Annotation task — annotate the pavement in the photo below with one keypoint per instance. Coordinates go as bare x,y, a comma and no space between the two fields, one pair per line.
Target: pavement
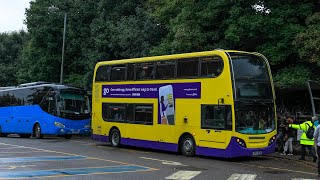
295,157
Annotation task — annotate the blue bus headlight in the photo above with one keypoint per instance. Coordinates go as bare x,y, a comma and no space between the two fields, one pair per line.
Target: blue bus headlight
58,124
272,140
241,142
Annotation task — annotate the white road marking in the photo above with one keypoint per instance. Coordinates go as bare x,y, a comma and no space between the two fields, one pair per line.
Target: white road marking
301,179
166,162
14,148
242,177
14,167
25,152
184,175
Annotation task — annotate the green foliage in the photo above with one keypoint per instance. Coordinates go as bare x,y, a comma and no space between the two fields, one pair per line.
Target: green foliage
292,76
308,42
10,52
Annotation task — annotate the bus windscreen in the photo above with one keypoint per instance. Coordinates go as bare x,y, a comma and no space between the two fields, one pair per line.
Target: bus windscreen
73,104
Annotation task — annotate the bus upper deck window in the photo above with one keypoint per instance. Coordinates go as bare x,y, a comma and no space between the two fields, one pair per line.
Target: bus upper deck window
102,73
118,73
145,71
165,69
130,72
211,66
188,68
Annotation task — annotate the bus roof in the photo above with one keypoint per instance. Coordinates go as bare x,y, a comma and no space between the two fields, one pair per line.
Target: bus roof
39,84
168,57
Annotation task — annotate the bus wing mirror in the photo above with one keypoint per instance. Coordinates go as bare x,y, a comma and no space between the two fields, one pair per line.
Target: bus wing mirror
220,102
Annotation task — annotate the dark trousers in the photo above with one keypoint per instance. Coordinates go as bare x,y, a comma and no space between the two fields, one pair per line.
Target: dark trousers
303,151
318,151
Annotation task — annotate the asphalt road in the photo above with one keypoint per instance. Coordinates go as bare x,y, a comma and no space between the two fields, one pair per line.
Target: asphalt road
83,158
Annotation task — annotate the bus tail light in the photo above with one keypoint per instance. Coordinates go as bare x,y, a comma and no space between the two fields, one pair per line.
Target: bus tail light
272,140
58,124
241,142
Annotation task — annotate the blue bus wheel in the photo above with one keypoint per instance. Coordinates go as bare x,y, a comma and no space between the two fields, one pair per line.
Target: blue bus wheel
68,136
2,134
25,135
115,138
37,131
188,146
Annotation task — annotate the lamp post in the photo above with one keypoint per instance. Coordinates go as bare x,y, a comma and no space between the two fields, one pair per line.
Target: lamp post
53,8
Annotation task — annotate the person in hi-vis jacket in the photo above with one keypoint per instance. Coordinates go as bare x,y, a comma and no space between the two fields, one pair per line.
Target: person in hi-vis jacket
304,141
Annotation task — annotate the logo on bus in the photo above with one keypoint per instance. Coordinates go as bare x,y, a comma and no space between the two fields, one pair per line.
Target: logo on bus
105,91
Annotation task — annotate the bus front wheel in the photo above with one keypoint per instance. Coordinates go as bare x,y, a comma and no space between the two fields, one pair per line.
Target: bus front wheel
68,136
2,134
37,131
25,135
188,146
115,138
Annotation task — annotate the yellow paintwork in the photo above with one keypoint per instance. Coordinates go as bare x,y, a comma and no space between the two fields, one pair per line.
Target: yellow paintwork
211,90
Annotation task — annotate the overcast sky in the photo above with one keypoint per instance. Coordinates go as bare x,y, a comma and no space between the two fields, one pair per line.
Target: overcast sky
12,15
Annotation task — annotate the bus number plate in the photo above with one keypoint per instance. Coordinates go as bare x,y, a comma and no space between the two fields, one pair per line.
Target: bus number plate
256,153
75,131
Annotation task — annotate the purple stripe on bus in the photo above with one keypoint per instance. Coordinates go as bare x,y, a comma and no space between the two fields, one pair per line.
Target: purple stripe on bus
150,144
180,90
233,149
100,138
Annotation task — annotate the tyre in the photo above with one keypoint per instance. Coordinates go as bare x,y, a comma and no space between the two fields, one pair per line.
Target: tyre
37,131
68,136
115,138
25,135
188,146
2,134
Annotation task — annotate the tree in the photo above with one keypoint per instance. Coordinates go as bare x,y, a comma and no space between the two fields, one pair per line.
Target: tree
10,51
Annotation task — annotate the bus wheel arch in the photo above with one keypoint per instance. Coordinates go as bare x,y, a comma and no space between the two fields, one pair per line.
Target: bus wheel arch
115,137
37,131
2,134
187,145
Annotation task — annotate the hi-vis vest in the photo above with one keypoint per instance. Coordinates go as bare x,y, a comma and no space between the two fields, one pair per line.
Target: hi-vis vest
304,127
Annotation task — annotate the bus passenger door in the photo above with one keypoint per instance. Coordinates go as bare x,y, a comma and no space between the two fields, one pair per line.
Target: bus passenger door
216,122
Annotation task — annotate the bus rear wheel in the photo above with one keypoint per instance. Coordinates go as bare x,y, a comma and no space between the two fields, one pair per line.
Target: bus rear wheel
188,146
37,131
115,138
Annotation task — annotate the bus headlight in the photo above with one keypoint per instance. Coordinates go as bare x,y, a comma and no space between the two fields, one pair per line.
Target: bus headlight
87,126
272,140
58,124
241,142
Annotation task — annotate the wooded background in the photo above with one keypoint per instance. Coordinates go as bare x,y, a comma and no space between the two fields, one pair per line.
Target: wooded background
286,32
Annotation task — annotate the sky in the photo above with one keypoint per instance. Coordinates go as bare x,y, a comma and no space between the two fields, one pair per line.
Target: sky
12,15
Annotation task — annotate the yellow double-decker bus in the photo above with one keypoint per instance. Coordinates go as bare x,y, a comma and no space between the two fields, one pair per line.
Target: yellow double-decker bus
216,103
